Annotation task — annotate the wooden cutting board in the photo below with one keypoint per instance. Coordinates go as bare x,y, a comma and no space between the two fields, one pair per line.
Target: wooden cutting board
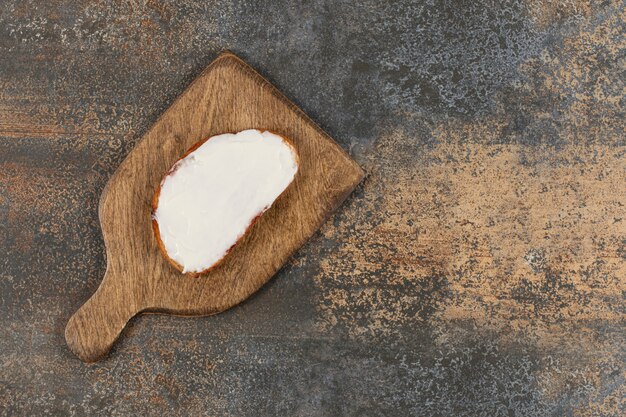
228,96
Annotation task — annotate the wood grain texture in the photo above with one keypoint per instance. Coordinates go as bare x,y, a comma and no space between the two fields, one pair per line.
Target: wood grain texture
228,96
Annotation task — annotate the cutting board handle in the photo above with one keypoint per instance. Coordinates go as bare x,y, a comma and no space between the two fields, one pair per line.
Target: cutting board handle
93,329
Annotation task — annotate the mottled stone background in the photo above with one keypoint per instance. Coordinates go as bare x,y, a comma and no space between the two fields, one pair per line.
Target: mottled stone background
479,270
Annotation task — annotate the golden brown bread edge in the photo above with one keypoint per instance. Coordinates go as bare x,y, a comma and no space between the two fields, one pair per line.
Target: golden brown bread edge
155,203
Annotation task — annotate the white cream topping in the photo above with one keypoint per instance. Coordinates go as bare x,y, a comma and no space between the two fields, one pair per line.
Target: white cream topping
213,194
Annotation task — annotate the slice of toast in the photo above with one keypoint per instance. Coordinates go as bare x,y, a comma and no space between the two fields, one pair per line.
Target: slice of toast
210,198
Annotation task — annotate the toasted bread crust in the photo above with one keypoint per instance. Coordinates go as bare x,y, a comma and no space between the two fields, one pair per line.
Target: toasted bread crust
155,203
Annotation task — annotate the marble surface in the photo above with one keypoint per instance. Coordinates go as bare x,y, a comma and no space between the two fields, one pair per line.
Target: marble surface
479,270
